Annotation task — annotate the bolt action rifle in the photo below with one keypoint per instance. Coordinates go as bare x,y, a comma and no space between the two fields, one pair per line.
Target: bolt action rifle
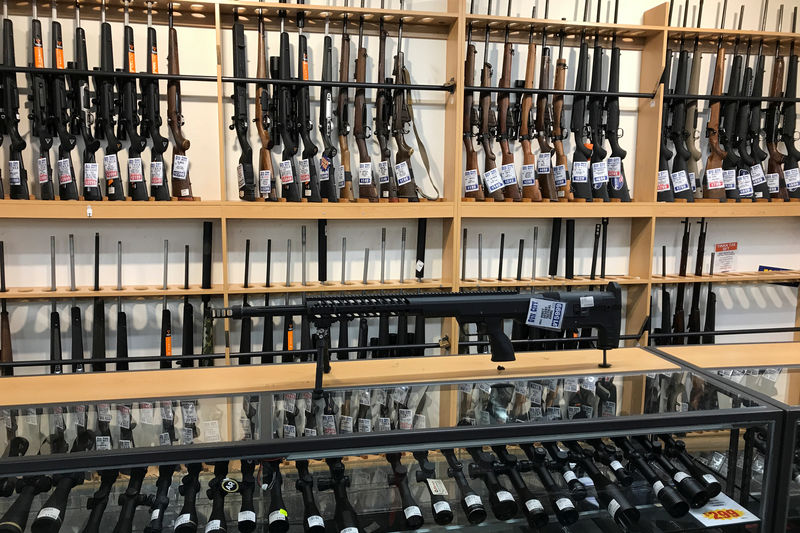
581,187
107,109
544,118
680,179
492,181
789,112
472,183
678,320
694,310
505,116
775,178
560,172
9,116
366,182
40,109
308,164
59,118
690,125
727,130
713,182
181,183
598,169
342,99
616,167
286,125
760,185
151,117
387,186
240,119
531,186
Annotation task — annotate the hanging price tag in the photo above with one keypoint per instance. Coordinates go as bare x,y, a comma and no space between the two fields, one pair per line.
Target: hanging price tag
110,167
286,172
187,436
346,424
211,431
508,174
528,175
124,416
146,413
402,173
492,180
774,183
471,180
339,175
614,167
580,171
757,175
792,178
180,167
546,314
663,181
406,418
44,172
13,173
64,171
680,182
729,178
264,182
156,173
714,178
365,173
164,440
103,412
560,176
384,424
328,425
383,172
543,163
135,170
310,432
693,181
304,169
419,421
102,442
745,183
599,174
240,175
189,413
364,425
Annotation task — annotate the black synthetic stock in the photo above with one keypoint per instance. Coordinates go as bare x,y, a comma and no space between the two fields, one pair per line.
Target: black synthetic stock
664,154
619,189
596,130
10,114
55,343
286,121
582,153
76,328
98,314
207,346
59,115
311,189
39,113
555,245
789,112
241,121
328,188
677,134
151,121
678,321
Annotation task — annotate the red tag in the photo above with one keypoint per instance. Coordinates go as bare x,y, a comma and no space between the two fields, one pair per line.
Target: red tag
726,246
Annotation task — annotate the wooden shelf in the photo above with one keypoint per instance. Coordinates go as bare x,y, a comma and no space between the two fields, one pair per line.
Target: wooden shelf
628,209
340,211
731,277
141,291
42,209
579,281
712,35
738,355
351,286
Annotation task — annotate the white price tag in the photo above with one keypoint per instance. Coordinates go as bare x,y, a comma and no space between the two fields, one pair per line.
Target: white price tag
411,511
304,169
124,416
146,413
680,182
508,174
189,412
663,181
328,425
289,431
383,172
102,442
791,176
135,170
714,178
406,418
164,439
80,416
44,172
534,506
744,183
166,411
441,507
187,435
246,516
286,172
729,178
613,507
384,424
471,183
211,431
419,421
182,519
599,174
309,432
580,171
680,476
49,512
543,162
314,521
103,412
774,183
14,173
340,177
180,167
564,503
722,511
757,175
528,175
125,444
156,173
264,182
505,496
365,173
64,171
277,516
546,314
571,385
693,181
614,166
569,475
492,180
437,487
402,173
346,424
364,425
658,486
213,525
535,393
240,175
560,175
472,499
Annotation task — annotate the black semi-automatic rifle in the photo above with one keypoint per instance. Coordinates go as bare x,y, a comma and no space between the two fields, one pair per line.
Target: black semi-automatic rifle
327,165
789,112
40,109
690,124
679,319
59,113
240,118
664,185
151,117
9,117
345,181
758,156
387,187
285,119
599,169
107,109
186,522
681,188
618,183
694,310
581,187
727,128
309,180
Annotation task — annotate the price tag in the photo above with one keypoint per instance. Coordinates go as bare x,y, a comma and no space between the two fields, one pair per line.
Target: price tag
472,499
608,409
110,167
534,506
365,173
722,511
164,439
363,397
13,173
124,416
286,172
49,512
663,181
680,182
346,424
304,169
792,178
328,425
543,162
599,174
492,180
310,432
383,172
364,425
80,416
419,422
399,394
485,388
64,171
315,521
588,383
437,487
508,174
44,172
441,507
379,396
693,182
729,178
289,431
156,173
411,511
772,374
745,183
384,424
189,412
402,173
546,314
564,503
166,411
535,393
103,412
571,385
553,413
505,496
406,418
31,418
774,183
535,413
135,170
339,175
290,399
528,175
264,182
560,176
580,171
614,167
471,183
187,435
240,175
613,507
757,175
180,167
102,442
58,418
211,431
714,178
124,443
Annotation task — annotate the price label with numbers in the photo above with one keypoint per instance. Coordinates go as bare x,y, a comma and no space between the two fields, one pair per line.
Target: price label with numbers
365,173
304,169
135,170
64,171
403,173
264,182
180,167
287,176
599,174
729,179
543,162
471,183
383,172
745,183
508,174
492,180
560,175
714,178
680,182
528,175
774,183
663,181
14,173
156,173
580,171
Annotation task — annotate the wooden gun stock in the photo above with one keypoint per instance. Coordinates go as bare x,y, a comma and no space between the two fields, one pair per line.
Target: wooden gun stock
717,154
776,157
564,191
546,181
503,99
529,190
469,145
365,191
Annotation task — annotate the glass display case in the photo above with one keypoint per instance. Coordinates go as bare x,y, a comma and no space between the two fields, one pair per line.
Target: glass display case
540,443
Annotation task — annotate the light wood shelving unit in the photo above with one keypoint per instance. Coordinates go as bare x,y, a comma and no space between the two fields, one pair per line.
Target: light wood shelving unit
651,38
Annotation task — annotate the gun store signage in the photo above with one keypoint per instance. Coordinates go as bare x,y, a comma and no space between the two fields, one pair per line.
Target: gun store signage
723,511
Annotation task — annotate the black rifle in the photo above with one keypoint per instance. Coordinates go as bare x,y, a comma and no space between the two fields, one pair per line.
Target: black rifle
151,118
694,310
122,318
187,337
387,187
59,117
711,308
9,119
666,302
16,517
129,116
285,121
82,113
99,500
327,181
40,110
689,487
581,186
562,504
664,184
245,338
160,501
616,167
401,122
560,458
609,455
344,514
728,125
512,467
745,160
680,163
504,507
272,481
107,109
166,318
599,179
399,478
247,512
666,494
470,501
240,118
310,179
676,448
312,520
758,156
268,340
442,514
55,319
186,522
219,487
789,112
130,500
679,320
208,322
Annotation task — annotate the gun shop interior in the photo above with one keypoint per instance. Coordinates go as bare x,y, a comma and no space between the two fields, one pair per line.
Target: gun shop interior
396,329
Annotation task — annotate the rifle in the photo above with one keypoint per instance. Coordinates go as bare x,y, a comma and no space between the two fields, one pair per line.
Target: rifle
98,314
366,184
727,131
760,185
504,507
616,168
240,119
131,499
247,512
387,187
599,169
286,125
6,354
472,184
58,115
262,119
775,178
544,119
272,480
560,172
711,307
745,160
97,503
186,522
470,501
789,112
55,319
492,181
345,178
107,108
181,183
666,303
691,489
308,164
245,340
166,317
344,514
399,478
268,341
676,449
327,183
581,187
122,318
532,189
82,112
312,521
442,514
208,322
694,310
129,115
16,517
713,181
160,501
219,487
512,467
40,111
664,185
560,501
678,325
690,124
151,116
680,180
505,121
187,336
76,327
9,116
561,462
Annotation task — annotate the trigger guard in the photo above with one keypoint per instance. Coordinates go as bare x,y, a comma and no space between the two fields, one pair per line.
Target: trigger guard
696,135
796,135
406,128
620,133
367,132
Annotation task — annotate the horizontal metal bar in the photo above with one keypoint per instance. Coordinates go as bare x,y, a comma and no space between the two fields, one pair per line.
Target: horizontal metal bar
728,98
751,331
567,92
448,87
